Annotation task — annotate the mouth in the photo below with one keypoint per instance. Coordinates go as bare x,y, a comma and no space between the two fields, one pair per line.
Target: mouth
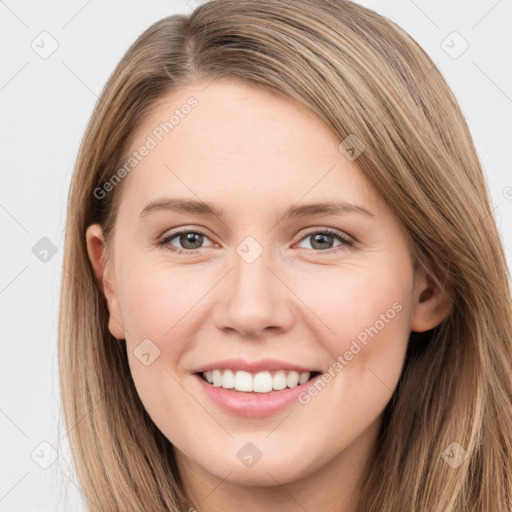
255,383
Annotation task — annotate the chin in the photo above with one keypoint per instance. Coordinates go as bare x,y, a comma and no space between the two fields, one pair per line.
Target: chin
262,473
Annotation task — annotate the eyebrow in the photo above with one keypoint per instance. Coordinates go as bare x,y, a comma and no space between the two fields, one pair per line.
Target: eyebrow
203,208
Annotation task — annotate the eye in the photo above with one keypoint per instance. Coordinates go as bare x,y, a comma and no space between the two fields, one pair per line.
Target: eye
191,241
326,237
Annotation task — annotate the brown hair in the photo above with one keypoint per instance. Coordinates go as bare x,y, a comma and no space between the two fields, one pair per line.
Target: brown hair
363,76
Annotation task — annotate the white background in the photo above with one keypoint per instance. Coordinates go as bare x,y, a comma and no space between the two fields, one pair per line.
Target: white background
45,106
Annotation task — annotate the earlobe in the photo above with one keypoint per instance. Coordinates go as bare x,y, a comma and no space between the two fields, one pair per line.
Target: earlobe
96,252
431,304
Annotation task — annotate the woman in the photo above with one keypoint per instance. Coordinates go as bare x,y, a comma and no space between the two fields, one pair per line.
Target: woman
253,371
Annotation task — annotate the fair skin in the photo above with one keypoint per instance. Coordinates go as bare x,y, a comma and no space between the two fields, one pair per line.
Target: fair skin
254,154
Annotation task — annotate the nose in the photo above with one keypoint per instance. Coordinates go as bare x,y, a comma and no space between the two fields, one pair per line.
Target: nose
254,299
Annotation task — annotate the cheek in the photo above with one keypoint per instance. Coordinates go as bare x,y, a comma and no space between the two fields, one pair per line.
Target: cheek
370,318
364,327
157,306
156,301
357,304
155,312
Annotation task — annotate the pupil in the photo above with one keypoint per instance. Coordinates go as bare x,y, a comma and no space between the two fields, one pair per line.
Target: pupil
189,238
322,238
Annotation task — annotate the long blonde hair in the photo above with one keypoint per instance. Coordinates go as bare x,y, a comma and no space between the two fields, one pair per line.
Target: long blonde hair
363,76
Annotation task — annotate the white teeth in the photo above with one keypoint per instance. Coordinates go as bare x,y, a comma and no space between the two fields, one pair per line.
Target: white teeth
228,379
279,381
304,377
293,379
217,378
261,382
243,381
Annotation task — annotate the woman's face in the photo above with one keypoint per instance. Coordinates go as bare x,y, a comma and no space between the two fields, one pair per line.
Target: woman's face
259,288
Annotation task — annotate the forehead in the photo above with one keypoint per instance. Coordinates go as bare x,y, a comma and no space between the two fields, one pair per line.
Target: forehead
236,141
235,117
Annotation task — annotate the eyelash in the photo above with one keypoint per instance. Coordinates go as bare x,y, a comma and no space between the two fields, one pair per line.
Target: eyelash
345,241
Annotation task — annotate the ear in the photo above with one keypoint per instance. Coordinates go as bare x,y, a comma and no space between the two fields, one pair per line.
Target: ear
431,304
104,275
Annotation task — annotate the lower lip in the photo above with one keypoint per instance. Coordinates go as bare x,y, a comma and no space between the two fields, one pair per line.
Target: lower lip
253,405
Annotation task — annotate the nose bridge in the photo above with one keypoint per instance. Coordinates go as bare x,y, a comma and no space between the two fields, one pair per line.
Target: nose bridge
252,281
254,297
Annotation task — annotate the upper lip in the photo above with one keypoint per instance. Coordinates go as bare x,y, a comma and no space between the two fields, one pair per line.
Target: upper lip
253,366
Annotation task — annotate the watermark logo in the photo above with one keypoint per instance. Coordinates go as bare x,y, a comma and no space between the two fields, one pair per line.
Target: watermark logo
45,45
44,455
146,352
454,45
351,147
249,249
454,455
44,250
249,455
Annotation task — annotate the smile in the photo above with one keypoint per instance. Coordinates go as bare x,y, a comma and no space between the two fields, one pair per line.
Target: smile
260,382
254,404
